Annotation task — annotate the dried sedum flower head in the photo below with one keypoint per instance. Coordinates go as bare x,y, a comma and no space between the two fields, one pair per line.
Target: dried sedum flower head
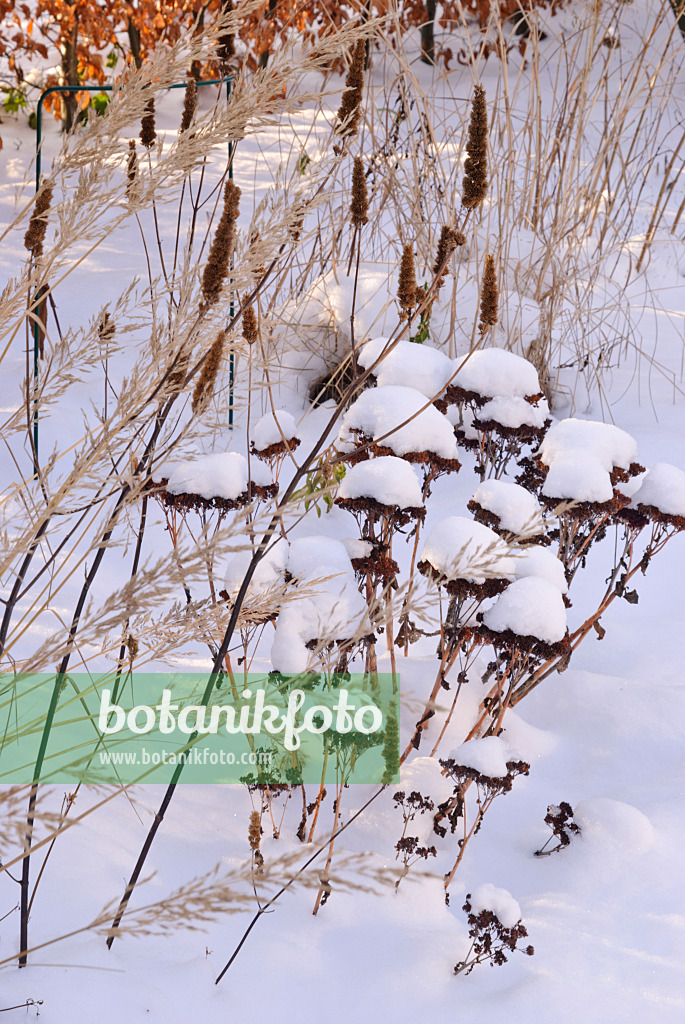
189,105
489,296
204,389
349,114
476,163
359,208
406,291
147,125
35,234
221,248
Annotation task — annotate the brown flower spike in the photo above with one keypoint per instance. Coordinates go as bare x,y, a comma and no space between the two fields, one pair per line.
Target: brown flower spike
221,248
359,208
448,242
147,125
250,326
349,114
476,163
489,297
204,389
226,46
132,168
406,291
35,235
189,105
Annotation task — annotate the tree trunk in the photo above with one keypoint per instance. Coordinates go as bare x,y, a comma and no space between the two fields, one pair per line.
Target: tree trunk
134,42
427,34
70,73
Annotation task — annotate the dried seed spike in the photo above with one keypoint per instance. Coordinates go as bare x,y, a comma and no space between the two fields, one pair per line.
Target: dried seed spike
189,105
221,249
132,169
476,163
254,832
447,243
38,225
489,296
226,45
359,208
250,333
147,125
106,328
204,389
349,114
406,291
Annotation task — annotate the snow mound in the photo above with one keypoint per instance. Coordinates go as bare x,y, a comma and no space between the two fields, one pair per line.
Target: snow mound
488,756
611,823
496,373
221,475
428,369
387,479
664,488
273,428
543,563
529,607
268,573
380,411
581,454
499,901
517,508
514,412
458,548
316,556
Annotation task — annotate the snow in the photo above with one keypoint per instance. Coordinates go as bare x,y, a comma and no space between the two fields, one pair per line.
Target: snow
380,411
499,901
268,573
425,368
517,508
272,428
581,454
488,756
664,488
515,412
534,560
496,373
315,556
458,548
614,828
529,607
221,475
387,479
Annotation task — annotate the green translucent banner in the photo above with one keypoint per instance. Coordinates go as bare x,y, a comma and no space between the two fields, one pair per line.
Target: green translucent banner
145,727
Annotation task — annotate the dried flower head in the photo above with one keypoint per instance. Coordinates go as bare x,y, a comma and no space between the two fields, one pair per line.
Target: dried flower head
359,208
106,328
254,832
204,389
147,125
226,43
189,105
406,291
35,234
447,243
349,114
476,163
488,296
221,248
250,326
132,168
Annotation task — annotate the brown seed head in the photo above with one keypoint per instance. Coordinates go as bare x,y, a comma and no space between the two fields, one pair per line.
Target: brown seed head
189,105
488,298
132,169
204,389
35,234
406,291
359,208
447,243
349,114
106,328
476,163
254,832
221,249
250,333
147,125
226,45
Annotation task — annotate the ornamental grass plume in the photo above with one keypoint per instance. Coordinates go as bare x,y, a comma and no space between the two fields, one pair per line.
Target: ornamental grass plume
147,125
35,234
221,248
349,114
406,291
476,163
189,105
359,208
204,389
489,296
